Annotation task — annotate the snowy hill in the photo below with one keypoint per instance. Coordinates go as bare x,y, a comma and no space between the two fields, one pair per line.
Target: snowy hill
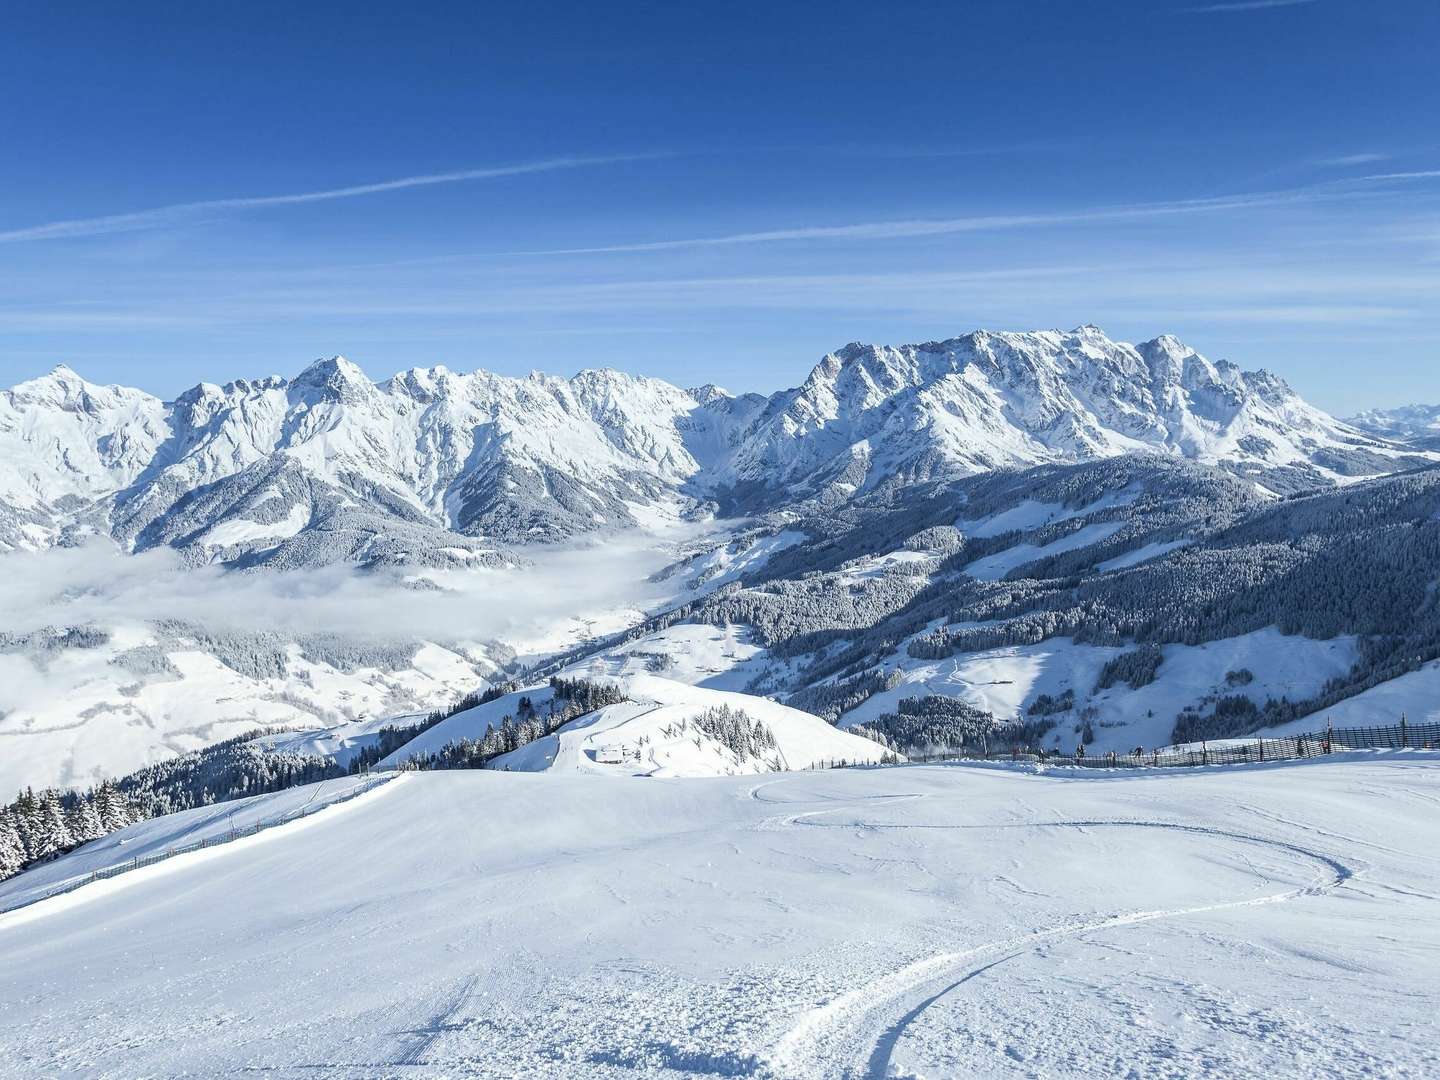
664,728
1276,921
438,466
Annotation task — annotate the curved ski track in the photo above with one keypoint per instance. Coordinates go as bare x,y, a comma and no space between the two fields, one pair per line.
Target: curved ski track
854,1035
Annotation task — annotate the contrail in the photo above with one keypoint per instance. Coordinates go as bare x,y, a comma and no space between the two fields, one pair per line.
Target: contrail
161,216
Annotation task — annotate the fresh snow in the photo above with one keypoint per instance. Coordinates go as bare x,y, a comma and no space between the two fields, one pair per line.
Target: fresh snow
1279,921
1142,555
654,734
1414,696
996,566
241,530
698,654
340,743
1029,515
1006,681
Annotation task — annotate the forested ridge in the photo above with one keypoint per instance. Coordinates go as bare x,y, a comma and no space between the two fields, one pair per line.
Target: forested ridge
1361,561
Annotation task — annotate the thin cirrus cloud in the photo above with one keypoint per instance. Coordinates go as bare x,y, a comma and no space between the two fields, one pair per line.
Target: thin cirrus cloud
1421,174
176,213
1354,159
904,229
1245,5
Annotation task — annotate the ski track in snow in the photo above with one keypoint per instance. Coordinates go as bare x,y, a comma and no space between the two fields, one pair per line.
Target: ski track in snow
854,1035
448,1017
860,924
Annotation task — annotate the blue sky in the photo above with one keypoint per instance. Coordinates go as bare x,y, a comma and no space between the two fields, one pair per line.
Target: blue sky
710,192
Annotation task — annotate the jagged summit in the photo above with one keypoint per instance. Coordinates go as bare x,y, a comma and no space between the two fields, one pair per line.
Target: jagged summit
545,457
63,385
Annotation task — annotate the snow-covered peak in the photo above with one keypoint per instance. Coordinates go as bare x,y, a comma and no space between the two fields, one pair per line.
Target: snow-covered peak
335,379
62,388
710,394
868,413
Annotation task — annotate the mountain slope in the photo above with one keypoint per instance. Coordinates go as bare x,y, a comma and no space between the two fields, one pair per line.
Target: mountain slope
1138,600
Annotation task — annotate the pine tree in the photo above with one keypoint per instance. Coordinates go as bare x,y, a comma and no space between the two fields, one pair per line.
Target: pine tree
51,835
26,809
12,851
115,812
84,821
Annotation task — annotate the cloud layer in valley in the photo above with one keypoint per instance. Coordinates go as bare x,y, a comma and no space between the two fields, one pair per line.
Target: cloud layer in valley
98,585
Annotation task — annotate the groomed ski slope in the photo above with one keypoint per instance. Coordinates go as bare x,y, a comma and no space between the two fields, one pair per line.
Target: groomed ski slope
214,824
1278,921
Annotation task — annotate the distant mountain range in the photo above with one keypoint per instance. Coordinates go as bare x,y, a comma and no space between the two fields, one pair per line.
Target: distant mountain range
439,467
1011,534
1418,425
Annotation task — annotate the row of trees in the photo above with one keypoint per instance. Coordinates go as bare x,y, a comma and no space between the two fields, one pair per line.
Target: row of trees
36,828
938,722
569,700
832,700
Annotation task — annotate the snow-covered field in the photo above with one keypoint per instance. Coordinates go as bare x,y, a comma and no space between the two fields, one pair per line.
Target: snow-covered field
1278,921
1006,680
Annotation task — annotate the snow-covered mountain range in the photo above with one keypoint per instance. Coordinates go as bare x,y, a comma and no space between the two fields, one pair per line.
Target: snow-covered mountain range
886,508
440,467
1415,424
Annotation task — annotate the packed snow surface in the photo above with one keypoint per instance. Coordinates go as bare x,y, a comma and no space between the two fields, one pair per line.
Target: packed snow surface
210,824
1278,921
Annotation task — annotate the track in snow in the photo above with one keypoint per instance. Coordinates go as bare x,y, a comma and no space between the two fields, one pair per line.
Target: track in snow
854,1036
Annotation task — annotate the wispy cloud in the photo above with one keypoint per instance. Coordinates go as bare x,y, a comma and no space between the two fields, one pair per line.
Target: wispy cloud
1245,5
1307,314
876,150
1353,159
899,230
176,213
1423,174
